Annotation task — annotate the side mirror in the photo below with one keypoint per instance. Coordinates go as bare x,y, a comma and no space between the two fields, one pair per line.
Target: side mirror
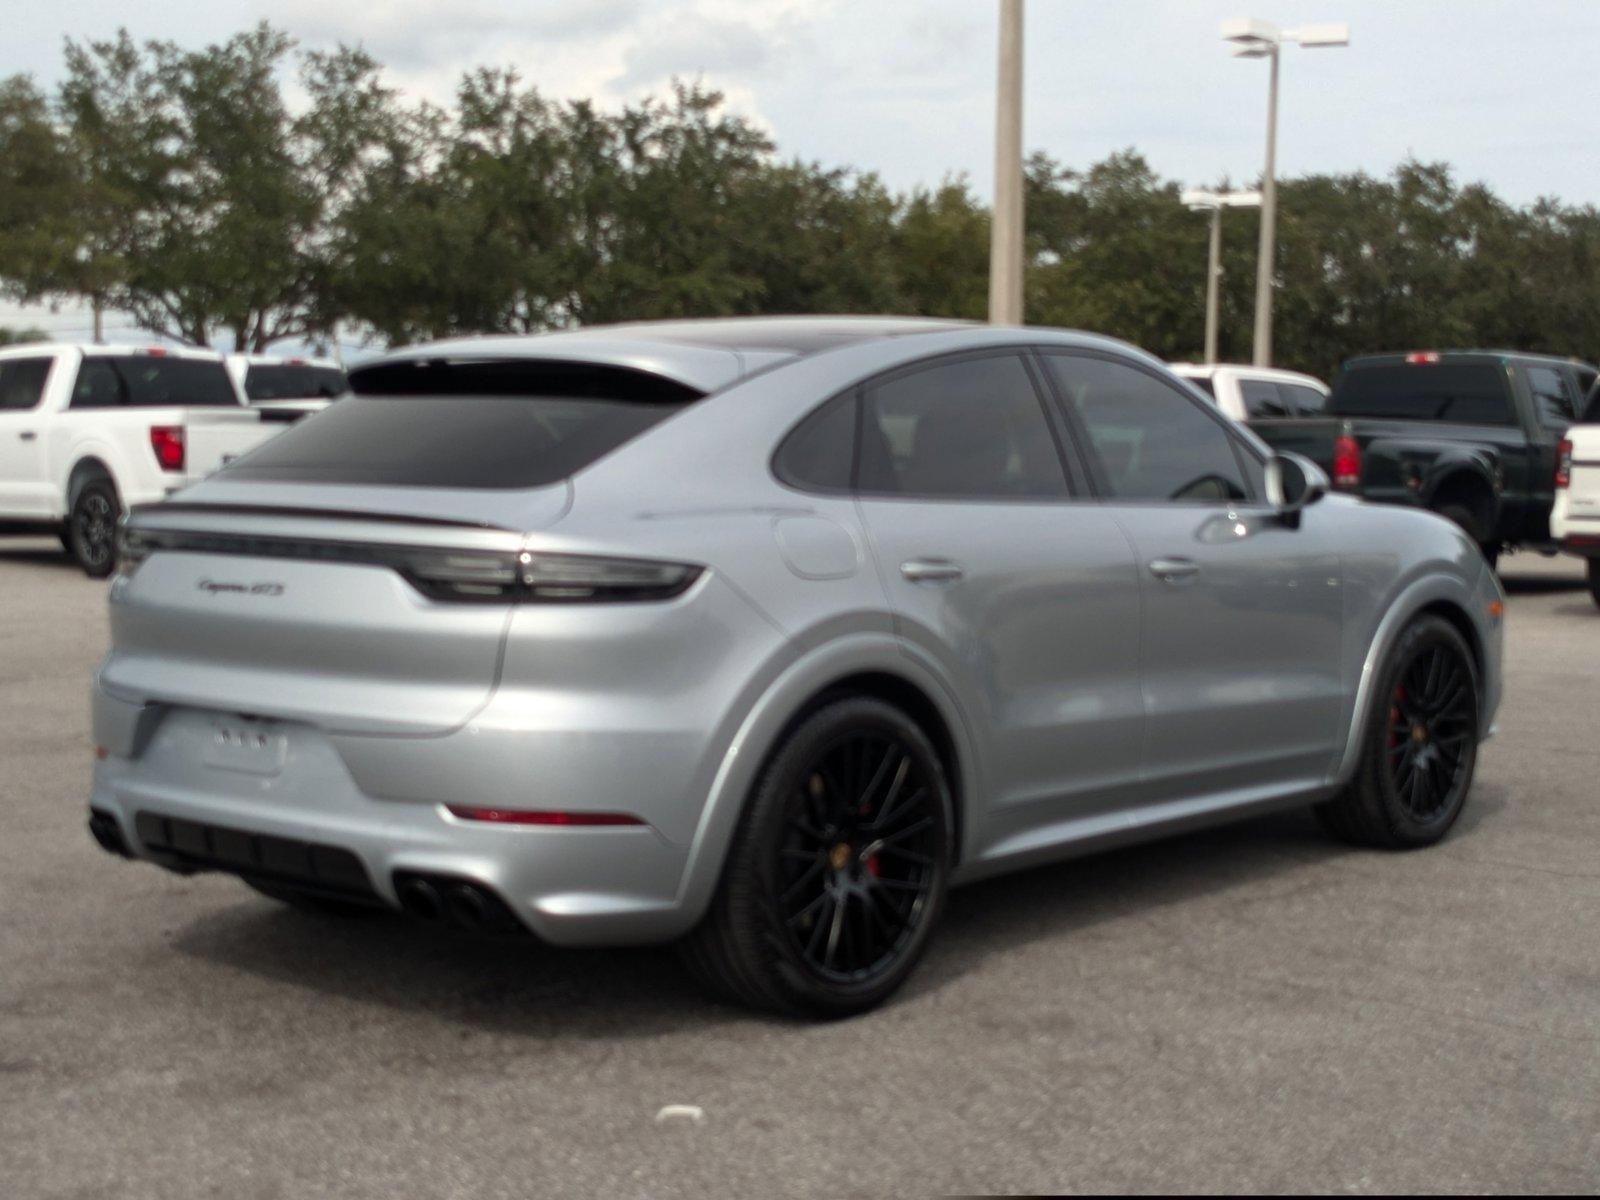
1292,483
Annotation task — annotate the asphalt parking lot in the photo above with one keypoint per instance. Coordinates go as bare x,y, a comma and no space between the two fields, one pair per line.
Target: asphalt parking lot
1253,1007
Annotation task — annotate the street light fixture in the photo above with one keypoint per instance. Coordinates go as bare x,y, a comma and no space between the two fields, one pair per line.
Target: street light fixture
1200,200
1255,38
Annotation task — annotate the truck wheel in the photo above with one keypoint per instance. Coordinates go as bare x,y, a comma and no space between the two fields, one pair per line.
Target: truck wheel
1594,578
92,527
1469,523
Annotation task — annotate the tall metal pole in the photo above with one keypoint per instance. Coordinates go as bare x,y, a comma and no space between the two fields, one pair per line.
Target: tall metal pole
1005,243
1269,223
1213,282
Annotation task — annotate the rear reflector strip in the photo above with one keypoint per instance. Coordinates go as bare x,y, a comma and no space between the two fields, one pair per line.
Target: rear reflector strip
517,816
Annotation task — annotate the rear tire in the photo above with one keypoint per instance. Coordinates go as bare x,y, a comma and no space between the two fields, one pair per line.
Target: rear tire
1420,745
91,535
837,871
1593,566
322,906
1473,528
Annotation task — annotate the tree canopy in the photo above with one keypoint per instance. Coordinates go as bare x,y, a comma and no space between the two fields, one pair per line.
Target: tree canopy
185,187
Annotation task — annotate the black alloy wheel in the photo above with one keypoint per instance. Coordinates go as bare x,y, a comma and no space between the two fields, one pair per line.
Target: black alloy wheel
92,528
837,872
856,865
1419,749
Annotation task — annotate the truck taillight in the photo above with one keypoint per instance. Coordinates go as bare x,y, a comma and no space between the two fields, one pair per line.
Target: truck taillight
1564,463
167,442
1346,463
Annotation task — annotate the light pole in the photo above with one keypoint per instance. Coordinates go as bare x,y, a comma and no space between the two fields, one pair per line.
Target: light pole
1214,202
1255,38
1005,238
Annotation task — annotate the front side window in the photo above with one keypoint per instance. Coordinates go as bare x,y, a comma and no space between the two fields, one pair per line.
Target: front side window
972,428
22,383
1550,399
1151,441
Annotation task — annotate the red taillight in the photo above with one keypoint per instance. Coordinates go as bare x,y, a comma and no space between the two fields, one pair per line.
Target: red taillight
1346,462
1420,358
517,816
1564,463
167,442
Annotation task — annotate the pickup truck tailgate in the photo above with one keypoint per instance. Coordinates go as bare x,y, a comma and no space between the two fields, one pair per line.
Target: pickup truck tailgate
215,437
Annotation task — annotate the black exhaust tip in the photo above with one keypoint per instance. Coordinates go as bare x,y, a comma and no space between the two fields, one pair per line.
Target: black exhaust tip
420,898
456,902
105,830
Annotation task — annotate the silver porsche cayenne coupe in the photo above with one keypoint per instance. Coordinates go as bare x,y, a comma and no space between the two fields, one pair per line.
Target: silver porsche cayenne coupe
759,634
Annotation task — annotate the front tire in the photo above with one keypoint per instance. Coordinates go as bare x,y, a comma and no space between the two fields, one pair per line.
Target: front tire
91,536
838,870
1420,746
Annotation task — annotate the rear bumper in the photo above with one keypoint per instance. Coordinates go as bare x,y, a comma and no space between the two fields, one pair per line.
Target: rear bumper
310,826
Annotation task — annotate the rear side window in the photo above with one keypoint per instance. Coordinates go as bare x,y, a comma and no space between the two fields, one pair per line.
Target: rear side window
1551,399
1466,393
468,425
22,383
1204,383
973,428
293,381
820,454
148,381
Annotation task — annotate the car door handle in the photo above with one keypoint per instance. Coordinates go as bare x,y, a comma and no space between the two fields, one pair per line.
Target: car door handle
1170,570
27,435
931,570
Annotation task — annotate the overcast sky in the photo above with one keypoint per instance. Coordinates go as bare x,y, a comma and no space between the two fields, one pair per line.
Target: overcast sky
1507,91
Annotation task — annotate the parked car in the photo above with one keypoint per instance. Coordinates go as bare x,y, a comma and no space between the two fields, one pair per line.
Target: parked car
86,431
1575,517
283,390
1469,434
1248,393
759,633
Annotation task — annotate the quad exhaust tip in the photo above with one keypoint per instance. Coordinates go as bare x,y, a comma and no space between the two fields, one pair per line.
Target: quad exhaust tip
106,831
455,902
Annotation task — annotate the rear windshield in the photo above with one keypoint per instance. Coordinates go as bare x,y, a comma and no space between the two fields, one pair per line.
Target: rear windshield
293,381
149,381
1466,393
467,425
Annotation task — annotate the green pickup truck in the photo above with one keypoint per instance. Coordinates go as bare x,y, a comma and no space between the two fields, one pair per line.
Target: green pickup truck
1470,434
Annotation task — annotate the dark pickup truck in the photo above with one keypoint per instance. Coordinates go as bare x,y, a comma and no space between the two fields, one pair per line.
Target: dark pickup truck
1470,434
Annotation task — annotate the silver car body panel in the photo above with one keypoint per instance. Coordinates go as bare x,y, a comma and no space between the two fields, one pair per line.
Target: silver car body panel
1085,702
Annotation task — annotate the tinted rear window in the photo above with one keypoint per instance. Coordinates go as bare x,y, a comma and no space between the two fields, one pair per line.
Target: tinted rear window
146,381
467,425
1466,393
293,381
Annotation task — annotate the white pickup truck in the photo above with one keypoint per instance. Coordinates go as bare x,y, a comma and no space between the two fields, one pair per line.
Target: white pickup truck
1575,514
86,432
283,390
1245,393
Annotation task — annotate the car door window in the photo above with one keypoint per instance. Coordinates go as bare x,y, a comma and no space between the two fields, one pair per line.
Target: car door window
974,427
22,383
819,455
1262,399
1151,441
98,385
1304,401
1555,407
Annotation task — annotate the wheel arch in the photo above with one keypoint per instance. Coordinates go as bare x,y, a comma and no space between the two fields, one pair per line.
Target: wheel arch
88,467
875,664
1467,482
1436,595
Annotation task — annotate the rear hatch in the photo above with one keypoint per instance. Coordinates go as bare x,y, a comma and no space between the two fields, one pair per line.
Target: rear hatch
358,571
